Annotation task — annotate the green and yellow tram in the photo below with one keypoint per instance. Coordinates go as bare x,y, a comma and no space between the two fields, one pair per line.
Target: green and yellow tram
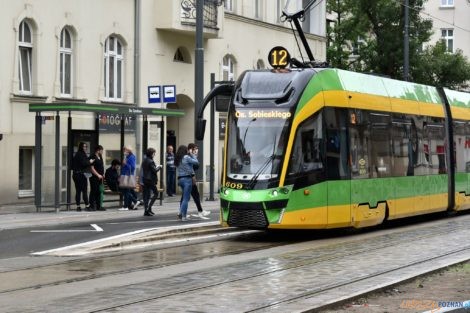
324,148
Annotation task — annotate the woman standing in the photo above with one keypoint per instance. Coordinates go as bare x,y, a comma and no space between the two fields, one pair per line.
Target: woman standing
150,180
128,169
80,166
185,160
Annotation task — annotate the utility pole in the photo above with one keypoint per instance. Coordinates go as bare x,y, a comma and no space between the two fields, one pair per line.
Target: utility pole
199,80
406,44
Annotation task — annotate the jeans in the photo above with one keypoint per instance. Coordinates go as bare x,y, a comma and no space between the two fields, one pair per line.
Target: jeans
196,197
186,184
170,181
129,197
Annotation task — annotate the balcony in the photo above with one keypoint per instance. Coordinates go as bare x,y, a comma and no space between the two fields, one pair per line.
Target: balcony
180,16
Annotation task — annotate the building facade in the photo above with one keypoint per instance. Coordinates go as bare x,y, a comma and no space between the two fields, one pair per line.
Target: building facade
451,23
110,52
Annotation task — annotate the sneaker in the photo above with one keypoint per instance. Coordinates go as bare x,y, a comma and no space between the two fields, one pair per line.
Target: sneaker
123,209
137,204
202,216
188,217
205,213
184,219
179,217
79,209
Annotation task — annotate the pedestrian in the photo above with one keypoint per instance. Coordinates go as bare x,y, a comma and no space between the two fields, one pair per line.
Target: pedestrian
184,161
97,171
112,175
150,179
128,169
201,213
80,166
170,171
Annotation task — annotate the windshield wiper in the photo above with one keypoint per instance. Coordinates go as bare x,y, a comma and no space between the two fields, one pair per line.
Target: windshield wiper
252,182
254,179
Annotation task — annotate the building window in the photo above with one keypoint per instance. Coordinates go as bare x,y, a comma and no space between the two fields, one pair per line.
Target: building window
258,9
66,63
228,68
447,3
182,55
113,68
25,46
279,10
25,171
447,35
228,5
357,45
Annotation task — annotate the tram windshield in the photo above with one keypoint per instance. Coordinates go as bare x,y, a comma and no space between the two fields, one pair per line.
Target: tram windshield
256,143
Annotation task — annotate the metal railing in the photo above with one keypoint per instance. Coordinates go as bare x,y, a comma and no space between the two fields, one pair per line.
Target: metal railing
188,12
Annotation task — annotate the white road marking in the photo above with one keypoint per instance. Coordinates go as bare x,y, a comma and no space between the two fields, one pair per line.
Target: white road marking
94,242
96,228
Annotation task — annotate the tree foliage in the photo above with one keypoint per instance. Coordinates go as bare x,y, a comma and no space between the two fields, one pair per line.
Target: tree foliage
379,26
439,68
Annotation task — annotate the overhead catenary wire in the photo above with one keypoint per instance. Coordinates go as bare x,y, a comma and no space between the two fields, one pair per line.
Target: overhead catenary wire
432,16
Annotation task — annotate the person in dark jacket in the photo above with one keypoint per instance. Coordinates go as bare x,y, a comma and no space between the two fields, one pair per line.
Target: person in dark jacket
150,178
112,175
170,172
96,179
80,166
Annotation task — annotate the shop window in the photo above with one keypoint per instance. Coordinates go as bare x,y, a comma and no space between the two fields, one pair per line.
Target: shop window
25,171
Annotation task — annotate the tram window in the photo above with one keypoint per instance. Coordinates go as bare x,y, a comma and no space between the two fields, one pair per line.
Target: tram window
307,153
404,145
336,143
467,148
421,166
359,143
460,145
380,144
436,149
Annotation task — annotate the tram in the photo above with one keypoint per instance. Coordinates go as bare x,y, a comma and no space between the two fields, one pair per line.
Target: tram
317,148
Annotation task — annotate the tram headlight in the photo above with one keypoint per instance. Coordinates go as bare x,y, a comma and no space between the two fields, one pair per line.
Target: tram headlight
275,193
226,191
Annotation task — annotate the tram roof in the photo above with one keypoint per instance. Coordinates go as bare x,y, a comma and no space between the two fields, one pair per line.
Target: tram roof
336,79
102,108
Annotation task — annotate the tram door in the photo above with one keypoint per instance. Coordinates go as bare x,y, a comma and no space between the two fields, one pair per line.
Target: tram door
337,168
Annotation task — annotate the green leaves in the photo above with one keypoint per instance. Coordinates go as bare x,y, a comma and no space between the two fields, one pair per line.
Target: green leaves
374,30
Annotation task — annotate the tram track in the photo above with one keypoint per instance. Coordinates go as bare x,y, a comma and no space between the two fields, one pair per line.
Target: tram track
345,284
328,250
311,293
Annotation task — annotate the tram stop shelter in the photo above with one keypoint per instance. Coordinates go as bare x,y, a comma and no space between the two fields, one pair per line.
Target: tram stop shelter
111,125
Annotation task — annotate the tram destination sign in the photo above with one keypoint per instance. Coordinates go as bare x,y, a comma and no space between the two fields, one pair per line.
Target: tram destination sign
263,114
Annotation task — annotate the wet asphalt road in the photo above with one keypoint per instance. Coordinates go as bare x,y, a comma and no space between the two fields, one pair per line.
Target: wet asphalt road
21,242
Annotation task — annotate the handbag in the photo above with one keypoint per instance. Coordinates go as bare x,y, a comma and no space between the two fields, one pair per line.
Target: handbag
127,181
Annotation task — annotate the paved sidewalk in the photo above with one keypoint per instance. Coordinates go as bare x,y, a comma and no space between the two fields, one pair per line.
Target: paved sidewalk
16,216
